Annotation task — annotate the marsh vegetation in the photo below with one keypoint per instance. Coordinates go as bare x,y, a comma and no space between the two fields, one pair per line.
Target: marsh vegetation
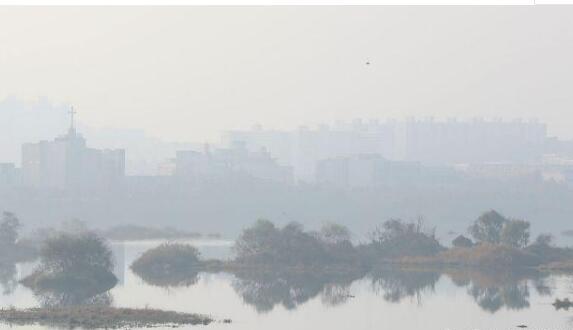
498,242
99,317
73,262
402,259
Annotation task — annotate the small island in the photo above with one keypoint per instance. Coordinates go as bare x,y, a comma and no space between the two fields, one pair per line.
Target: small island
72,280
97,317
498,243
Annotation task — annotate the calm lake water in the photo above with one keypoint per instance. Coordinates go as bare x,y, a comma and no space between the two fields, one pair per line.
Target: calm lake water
385,299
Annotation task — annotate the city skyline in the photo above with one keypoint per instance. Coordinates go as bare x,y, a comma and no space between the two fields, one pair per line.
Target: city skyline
278,155
25,122
320,164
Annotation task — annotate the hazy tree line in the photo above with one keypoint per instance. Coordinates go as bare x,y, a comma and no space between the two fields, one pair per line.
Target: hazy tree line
264,242
291,245
77,255
76,250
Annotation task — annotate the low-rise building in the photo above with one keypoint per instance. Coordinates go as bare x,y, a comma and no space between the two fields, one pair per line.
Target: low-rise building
226,163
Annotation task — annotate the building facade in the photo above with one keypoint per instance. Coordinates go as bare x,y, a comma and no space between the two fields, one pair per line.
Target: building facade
66,163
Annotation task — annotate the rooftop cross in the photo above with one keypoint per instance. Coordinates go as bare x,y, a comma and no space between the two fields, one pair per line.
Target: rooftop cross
72,112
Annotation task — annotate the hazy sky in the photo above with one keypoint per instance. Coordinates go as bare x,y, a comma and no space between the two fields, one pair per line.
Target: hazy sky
186,73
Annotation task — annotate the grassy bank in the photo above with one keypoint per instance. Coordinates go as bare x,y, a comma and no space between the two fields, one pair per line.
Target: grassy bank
495,257
99,317
483,256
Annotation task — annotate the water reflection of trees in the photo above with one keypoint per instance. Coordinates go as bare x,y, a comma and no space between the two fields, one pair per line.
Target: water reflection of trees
169,279
265,290
8,277
68,294
491,290
395,284
492,299
69,299
494,290
335,294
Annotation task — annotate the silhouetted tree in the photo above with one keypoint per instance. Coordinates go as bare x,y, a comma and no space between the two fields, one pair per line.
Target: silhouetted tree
292,245
336,240
70,253
462,241
332,233
258,241
487,228
515,233
397,238
295,246
492,227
